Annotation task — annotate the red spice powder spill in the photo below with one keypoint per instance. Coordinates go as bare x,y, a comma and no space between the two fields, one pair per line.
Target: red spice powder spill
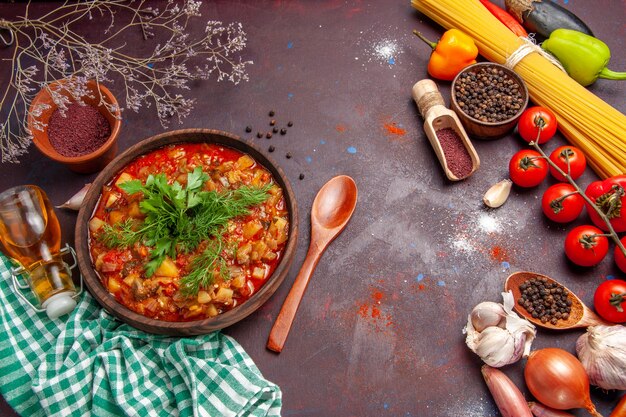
372,310
458,159
341,128
498,253
394,130
83,130
364,310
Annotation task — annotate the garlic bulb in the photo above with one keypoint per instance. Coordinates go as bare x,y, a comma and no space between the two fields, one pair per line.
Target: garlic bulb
497,334
602,351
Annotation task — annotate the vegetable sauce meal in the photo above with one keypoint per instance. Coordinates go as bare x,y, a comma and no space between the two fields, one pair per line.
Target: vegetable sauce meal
188,231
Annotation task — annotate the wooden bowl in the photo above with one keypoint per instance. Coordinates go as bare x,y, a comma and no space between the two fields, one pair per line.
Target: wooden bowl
203,326
88,163
488,130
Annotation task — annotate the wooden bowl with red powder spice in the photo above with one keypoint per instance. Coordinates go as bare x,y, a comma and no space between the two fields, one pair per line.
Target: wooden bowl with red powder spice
83,136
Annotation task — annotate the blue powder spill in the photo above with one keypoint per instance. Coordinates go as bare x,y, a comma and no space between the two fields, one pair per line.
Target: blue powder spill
150,64
610,277
419,277
351,149
386,406
322,142
391,61
290,45
308,159
451,205
506,265
290,95
441,283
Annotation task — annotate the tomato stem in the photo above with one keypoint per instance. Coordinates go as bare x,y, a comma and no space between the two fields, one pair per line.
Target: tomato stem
612,234
616,300
589,241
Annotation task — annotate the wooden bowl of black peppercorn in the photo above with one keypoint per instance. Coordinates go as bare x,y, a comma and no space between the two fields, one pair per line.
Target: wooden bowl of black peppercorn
489,98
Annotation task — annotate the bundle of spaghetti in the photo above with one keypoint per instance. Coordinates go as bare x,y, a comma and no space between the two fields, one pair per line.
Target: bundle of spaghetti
584,119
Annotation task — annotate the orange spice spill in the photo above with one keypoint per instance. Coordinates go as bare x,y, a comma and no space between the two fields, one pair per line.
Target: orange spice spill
393,129
498,253
372,310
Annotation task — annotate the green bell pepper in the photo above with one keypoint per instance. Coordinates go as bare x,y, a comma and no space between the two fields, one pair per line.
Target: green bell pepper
584,57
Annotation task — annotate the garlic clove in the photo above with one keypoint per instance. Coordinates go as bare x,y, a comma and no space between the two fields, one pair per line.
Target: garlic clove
76,200
487,314
496,347
498,193
522,330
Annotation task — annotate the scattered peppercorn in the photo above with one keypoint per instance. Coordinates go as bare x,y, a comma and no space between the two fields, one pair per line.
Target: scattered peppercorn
489,95
272,122
301,176
248,129
259,135
288,155
283,131
268,135
271,148
290,123
545,300
272,113
275,130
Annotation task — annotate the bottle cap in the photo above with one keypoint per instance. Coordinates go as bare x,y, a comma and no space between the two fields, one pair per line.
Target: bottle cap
59,304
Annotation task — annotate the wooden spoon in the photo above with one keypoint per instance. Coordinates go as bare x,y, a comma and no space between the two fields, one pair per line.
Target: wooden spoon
332,208
580,315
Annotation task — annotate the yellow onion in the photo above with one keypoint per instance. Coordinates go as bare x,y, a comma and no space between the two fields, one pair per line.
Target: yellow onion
557,379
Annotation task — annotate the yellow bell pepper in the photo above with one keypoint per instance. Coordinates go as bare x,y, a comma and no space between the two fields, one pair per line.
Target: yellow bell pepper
453,52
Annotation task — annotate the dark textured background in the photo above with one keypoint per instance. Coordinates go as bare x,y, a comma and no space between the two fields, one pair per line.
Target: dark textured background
379,330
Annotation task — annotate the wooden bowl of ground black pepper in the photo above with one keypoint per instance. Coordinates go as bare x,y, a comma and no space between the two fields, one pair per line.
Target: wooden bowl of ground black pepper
489,98
84,138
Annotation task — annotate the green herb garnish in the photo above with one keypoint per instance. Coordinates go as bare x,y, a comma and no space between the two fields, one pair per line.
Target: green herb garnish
179,218
204,267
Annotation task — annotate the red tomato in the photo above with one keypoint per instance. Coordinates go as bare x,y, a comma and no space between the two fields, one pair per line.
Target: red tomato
528,168
609,196
620,259
586,245
561,203
537,122
577,162
609,300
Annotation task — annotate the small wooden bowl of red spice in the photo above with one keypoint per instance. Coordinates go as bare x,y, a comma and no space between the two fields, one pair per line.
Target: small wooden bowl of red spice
82,135
489,98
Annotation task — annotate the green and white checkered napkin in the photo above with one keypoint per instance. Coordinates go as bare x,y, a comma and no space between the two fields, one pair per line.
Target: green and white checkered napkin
88,363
